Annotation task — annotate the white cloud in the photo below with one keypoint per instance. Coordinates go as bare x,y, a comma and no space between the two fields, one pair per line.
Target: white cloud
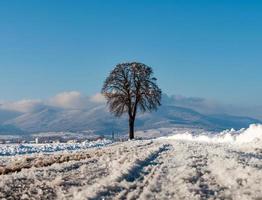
202,105
76,100
22,106
69,100
98,98
207,106
64,100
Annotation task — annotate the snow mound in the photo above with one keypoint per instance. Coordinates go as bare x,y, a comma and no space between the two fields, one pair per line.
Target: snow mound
253,134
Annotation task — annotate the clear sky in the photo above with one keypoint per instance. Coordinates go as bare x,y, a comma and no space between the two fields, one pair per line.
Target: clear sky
210,49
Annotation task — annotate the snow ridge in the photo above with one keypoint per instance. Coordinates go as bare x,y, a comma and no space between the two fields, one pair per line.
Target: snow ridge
253,135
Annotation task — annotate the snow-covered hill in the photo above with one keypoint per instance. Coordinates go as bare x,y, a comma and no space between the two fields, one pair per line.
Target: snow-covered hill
99,120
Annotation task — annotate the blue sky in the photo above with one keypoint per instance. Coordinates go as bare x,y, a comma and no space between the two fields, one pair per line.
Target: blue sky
209,49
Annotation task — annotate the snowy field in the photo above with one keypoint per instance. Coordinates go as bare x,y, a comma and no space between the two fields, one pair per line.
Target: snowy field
227,165
18,149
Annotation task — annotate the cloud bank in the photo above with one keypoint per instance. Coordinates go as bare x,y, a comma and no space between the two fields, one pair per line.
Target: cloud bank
23,106
211,107
64,100
76,100
69,100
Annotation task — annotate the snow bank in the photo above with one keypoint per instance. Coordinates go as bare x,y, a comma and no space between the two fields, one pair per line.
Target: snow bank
18,149
253,135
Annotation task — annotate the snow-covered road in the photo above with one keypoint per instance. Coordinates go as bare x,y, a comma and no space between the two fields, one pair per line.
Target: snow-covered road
149,169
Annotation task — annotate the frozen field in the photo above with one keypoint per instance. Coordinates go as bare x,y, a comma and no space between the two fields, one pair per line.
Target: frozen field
225,166
20,149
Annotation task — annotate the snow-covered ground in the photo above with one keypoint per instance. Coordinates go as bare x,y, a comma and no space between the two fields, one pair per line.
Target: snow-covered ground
18,149
184,166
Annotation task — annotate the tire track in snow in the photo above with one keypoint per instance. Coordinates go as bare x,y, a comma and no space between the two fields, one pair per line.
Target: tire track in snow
247,158
239,171
62,180
202,182
134,180
157,169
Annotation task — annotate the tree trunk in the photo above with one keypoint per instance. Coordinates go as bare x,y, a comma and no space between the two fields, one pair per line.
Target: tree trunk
131,128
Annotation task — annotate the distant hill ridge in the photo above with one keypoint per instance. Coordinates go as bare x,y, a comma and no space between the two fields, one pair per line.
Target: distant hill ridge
101,121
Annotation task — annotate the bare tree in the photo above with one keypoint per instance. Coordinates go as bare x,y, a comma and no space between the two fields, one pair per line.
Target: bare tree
131,87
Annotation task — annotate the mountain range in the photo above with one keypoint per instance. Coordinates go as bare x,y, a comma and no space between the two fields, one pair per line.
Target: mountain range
96,118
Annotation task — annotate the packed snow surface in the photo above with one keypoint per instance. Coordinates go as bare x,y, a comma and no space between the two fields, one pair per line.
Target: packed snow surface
183,166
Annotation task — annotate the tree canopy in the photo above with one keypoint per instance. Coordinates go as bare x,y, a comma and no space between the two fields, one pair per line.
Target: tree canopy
131,87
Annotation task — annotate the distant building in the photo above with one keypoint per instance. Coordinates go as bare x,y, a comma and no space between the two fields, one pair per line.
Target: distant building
72,141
